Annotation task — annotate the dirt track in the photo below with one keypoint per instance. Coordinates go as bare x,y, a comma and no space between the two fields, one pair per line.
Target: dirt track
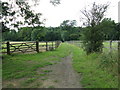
62,75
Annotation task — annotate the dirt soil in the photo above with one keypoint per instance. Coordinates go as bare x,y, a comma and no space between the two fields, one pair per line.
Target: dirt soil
62,75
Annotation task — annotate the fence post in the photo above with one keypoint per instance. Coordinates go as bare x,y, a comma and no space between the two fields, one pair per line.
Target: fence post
59,43
46,46
37,46
8,48
55,44
52,45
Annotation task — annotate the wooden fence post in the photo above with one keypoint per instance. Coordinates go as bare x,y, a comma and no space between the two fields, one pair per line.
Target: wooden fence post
8,48
37,46
59,43
52,45
56,45
46,46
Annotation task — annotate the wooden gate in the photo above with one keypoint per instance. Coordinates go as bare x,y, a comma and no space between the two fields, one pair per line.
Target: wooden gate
29,46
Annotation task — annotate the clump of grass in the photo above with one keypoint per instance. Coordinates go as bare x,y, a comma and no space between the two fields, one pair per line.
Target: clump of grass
51,87
28,81
44,79
47,71
56,81
37,85
10,86
43,74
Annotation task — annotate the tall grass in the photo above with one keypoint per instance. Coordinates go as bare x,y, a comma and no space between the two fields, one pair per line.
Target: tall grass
97,70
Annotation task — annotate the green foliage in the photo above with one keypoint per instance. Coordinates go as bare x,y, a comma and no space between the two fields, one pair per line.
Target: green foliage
38,35
9,14
117,31
69,31
43,34
93,35
28,81
5,13
10,35
25,34
108,28
30,17
52,35
92,39
51,87
74,36
93,74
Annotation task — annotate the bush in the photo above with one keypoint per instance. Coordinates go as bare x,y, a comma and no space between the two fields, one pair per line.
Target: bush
92,39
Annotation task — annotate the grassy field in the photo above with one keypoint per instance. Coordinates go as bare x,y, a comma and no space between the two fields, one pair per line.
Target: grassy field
97,70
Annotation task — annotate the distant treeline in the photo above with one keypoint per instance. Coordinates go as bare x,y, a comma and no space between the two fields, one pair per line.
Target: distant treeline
64,32
42,34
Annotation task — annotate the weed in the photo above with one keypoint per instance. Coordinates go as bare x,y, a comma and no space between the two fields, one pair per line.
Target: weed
10,86
44,79
51,87
28,81
56,81
47,71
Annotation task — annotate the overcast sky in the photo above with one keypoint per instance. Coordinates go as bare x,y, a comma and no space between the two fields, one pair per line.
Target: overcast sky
70,10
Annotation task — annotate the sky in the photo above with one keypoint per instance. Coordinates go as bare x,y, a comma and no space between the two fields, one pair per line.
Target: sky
70,10
119,12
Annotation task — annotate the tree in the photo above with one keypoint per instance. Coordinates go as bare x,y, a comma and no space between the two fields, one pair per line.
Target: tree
6,14
93,36
55,2
95,15
9,15
38,34
66,27
118,38
52,35
24,34
108,27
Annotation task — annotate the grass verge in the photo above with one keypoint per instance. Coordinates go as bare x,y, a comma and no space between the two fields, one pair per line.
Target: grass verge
92,73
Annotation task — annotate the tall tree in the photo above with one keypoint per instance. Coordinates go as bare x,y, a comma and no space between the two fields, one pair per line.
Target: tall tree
118,38
9,15
6,15
66,27
93,36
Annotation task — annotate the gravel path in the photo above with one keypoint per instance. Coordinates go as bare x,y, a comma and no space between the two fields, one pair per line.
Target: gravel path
62,75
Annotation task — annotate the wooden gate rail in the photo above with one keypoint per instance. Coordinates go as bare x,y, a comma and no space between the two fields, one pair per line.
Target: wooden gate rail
29,46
